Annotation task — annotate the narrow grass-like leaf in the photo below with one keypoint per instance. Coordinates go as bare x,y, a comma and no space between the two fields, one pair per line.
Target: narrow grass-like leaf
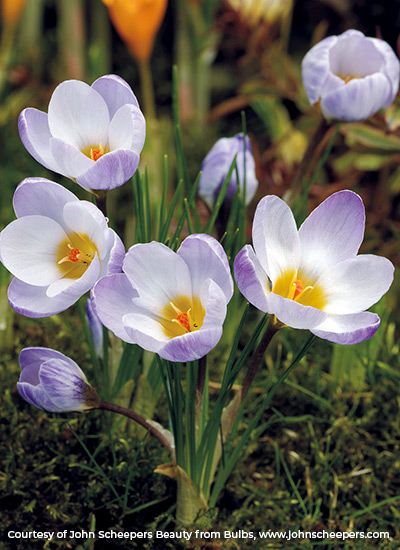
220,199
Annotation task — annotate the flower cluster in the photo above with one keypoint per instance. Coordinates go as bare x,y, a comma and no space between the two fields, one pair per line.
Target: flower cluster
175,303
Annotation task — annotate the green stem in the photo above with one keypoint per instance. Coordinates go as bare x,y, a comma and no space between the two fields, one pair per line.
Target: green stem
139,419
272,328
201,376
146,83
320,132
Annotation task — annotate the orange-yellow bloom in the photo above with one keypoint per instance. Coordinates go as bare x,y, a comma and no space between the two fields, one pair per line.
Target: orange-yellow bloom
137,22
11,10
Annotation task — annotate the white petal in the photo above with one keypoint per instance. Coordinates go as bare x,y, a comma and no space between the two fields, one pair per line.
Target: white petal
333,232
315,68
115,92
112,299
79,218
206,259
29,249
275,237
78,115
127,129
75,288
70,160
294,314
158,274
355,285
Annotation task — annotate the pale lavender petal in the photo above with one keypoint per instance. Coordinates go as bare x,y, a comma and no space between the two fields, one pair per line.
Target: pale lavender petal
251,279
35,135
29,249
275,237
145,330
65,389
110,171
391,64
127,129
43,197
32,301
355,55
315,68
78,115
113,263
206,259
112,299
158,274
333,232
115,92
294,314
191,346
348,329
358,99
70,160
95,327
355,285
30,360
36,396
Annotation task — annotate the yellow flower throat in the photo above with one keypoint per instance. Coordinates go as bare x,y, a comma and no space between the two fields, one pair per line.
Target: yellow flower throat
182,315
293,285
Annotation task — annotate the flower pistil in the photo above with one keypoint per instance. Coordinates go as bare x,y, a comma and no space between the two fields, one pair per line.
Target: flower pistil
182,316
80,253
290,284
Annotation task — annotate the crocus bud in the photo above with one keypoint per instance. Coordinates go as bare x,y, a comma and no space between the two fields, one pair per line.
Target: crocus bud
52,382
11,10
216,166
137,22
351,75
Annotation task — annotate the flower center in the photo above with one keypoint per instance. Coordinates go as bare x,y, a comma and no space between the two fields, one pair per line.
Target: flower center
182,315
292,285
347,77
94,152
74,255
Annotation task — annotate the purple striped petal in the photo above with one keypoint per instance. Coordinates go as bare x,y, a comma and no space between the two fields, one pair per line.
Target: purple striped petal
348,329
251,279
110,171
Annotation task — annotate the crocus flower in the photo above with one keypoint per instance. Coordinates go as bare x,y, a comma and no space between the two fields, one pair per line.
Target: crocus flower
216,166
137,22
52,382
312,278
351,75
173,304
91,134
57,248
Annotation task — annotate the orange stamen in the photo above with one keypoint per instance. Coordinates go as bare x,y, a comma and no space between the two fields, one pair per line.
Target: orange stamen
183,320
95,154
299,288
73,255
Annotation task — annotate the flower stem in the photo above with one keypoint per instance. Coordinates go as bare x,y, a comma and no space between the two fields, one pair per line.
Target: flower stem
201,376
146,83
272,328
139,419
101,201
320,132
